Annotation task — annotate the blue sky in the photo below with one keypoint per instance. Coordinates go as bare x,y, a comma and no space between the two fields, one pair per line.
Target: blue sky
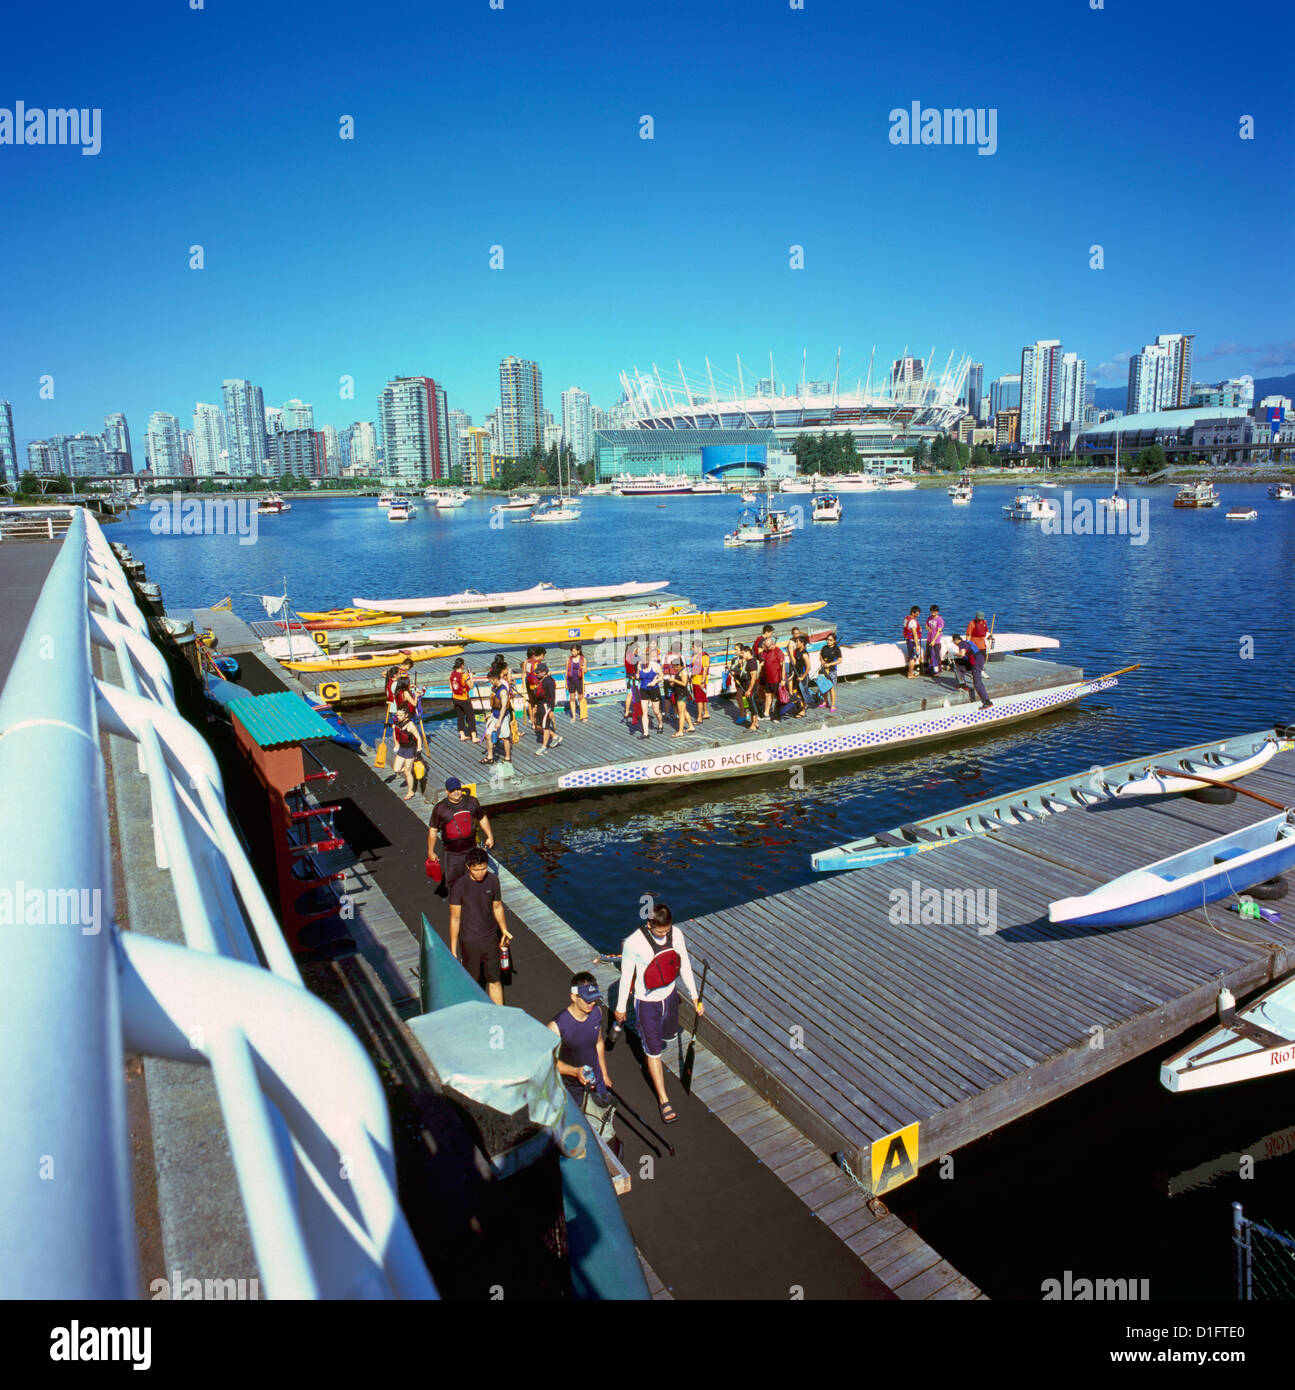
520,128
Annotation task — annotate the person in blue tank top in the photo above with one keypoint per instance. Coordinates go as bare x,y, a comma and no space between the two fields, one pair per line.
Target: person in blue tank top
650,688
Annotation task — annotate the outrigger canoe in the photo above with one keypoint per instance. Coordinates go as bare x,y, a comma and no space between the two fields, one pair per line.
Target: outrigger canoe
371,659
1258,1040
472,601
1191,879
1223,762
606,625
342,618
631,614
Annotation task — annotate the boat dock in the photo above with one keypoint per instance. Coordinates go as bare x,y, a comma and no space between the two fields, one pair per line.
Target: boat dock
899,1012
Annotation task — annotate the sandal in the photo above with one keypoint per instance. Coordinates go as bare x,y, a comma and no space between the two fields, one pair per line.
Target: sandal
668,1117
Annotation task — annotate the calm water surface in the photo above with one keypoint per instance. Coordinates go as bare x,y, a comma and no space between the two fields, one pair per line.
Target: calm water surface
1204,606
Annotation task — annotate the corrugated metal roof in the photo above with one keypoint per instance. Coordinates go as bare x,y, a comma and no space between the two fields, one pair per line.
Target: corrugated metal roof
275,720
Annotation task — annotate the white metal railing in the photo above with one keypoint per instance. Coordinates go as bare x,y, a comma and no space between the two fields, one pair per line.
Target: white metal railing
301,1102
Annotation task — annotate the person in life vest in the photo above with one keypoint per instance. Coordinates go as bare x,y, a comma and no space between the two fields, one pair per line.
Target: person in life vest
676,679
461,683
631,678
453,828
409,742
975,648
913,639
700,673
499,727
531,684
650,689
576,667
653,959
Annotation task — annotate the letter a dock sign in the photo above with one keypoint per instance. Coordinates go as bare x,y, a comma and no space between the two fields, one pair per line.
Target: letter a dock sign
894,1159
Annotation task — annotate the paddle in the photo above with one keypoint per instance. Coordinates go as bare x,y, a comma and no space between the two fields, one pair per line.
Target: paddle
1214,782
685,1073
620,1101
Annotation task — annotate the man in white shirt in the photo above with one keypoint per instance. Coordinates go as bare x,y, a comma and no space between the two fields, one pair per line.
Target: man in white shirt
652,960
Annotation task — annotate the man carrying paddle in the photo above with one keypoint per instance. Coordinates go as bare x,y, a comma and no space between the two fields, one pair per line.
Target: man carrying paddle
652,960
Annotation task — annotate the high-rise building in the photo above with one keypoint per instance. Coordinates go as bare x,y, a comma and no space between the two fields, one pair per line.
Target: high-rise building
975,388
364,445
1040,391
9,471
298,415
577,424
62,459
415,436
165,452
274,428
1007,425
552,436
905,377
301,453
1237,392
85,454
244,427
478,455
459,421
521,406
494,424
41,458
1074,387
208,440
1160,376
599,419
1004,394
116,434
332,452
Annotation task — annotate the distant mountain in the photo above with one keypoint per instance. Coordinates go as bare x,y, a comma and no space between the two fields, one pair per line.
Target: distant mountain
1114,397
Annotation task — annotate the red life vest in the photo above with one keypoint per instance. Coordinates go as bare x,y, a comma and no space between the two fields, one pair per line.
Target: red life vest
458,684
663,968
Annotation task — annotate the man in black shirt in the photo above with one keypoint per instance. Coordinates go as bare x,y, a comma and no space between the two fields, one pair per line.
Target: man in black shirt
477,923
546,699
454,824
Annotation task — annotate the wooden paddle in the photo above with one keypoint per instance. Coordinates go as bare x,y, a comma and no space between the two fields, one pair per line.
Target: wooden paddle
1214,782
685,1072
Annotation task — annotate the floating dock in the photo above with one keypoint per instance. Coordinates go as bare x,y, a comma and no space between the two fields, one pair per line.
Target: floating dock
899,1012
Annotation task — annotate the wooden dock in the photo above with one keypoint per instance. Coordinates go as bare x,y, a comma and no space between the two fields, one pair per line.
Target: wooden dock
602,753
933,992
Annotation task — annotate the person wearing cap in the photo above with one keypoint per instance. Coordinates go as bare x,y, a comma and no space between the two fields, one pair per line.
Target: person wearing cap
453,826
546,699
975,648
582,1055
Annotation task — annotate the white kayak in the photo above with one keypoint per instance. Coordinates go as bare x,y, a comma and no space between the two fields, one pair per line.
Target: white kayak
869,658
542,595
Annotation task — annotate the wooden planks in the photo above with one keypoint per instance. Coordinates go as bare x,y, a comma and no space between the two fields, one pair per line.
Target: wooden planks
856,1017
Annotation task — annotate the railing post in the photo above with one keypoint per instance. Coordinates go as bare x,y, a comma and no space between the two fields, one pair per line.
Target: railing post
1240,1264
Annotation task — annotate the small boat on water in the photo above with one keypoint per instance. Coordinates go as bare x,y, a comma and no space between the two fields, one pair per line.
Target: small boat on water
1029,506
961,493
1241,514
758,527
1197,495
344,661
1254,1041
1282,492
273,504
1115,503
653,485
556,509
825,507
855,482
384,499
540,596
600,626
1225,761
401,509
894,483
445,499
1192,879
518,503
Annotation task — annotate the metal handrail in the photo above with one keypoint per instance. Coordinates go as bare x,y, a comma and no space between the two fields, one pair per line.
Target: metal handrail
291,1130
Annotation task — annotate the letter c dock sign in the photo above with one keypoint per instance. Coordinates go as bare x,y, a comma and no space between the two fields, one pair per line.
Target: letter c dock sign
894,1159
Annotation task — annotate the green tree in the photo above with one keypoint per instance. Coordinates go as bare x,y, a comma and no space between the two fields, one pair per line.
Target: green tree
1149,460
980,457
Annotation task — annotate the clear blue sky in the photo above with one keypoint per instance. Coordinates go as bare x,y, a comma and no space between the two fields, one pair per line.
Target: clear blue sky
520,127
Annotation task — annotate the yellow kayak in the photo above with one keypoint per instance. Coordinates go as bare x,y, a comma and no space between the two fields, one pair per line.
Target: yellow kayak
369,660
347,617
601,626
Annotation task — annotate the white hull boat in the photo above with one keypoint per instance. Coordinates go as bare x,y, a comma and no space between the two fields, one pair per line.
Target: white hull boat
1242,514
518,504
826,509
1251,1042
1029,507
1186,881
541,596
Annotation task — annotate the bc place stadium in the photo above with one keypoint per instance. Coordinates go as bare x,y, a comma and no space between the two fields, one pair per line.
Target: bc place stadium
713,427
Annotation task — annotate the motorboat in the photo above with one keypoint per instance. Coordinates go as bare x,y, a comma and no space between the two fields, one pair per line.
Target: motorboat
521,503
401,509
825,507
961,493
269,506
1242,514
384,499
445,498
1282,492
1029,506
1197,495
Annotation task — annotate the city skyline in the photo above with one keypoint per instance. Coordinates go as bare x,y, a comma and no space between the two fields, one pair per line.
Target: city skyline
845,238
